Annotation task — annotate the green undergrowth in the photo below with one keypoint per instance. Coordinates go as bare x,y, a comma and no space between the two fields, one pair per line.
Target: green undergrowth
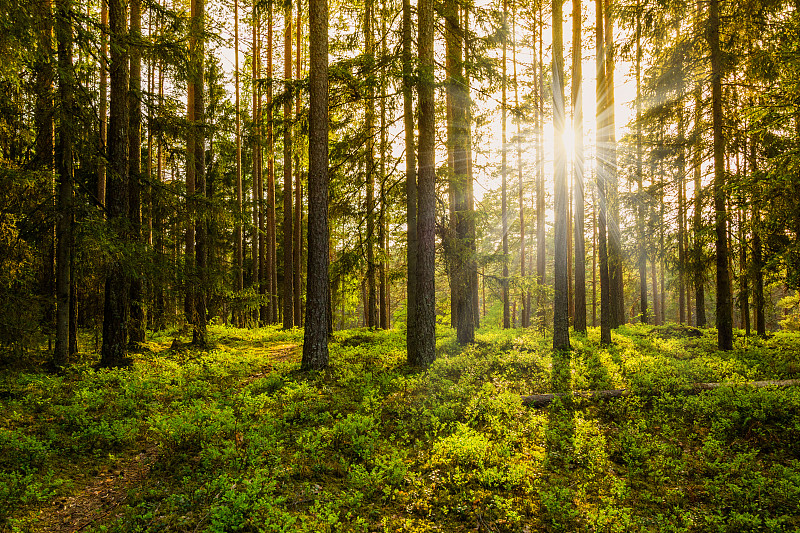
245,441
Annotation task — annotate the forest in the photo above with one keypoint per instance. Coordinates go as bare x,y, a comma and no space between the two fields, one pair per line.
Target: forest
508,265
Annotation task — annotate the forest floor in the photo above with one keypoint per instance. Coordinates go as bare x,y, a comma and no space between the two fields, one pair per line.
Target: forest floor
239,439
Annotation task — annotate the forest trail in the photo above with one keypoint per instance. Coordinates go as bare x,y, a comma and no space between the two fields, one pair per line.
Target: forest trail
102,497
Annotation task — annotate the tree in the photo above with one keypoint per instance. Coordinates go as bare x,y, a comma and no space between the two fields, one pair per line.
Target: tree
137,316
560,304
602,178
115,309
315,336
369,163
425,347
239,233
288,233
504,171
724,310
410,186
579,319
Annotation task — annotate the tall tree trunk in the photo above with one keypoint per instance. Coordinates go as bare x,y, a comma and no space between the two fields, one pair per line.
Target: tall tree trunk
298,187
272,245
369,124
602,178
579,317
473,266
758,257
640,209
257,158
541,246
137,327
115,311
197,130
288,233
520,190
724,311
681,178
238,235
617,291
262,279
462,248
425,350
697,222
317,318
65,171
410,186
504,174
382,224
560,304
103,105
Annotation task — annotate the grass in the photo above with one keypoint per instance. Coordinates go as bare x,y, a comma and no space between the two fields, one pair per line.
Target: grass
245,441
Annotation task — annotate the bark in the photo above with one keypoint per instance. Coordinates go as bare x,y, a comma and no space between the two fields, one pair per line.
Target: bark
288,233
617,293
410,185
382,222
601,179
697,222
560,304
462,245
724,311
579,317
137,326
298,186
642,259
103,105
317,313
65,172
238,318
520,191
425,350
115,310
504,174
257,159
541,249
199,334
758,257
473,266
272,260
369,155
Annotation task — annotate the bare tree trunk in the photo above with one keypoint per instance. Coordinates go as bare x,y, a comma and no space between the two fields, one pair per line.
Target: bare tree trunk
579,316
137,326
697,223
602,178
541,247
504,174
411,187
298,186
561,304
473,267
272,259
103,105
382,237
520,191
758,258
65,172
115,311
369,124
640,211
238,235
288,233
724,311
425,350
317,321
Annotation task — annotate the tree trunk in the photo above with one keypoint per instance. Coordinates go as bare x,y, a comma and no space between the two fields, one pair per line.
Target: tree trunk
273,305
317,315
137,326
238,235
369,125
473,267
382,223
288,232
425,350
504,174
640,211
103,106
724,311
602,178
65,171
758,257
541,246
115,310
560,305
697,222
298,186
199,335
579,317
520,190
410,186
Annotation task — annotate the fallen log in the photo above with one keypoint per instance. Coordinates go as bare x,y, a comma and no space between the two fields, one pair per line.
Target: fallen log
542,400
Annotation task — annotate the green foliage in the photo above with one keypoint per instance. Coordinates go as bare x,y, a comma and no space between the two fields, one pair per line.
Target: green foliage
244,441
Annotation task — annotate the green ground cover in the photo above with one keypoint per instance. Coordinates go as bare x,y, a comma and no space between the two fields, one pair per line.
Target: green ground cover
244,441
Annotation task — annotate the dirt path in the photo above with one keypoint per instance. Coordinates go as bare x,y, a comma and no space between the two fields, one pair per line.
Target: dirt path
101,499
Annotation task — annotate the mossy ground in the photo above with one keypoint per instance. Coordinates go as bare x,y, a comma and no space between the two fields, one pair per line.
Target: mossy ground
239,439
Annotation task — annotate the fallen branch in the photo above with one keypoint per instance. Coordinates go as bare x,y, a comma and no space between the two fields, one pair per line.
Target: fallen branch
542,400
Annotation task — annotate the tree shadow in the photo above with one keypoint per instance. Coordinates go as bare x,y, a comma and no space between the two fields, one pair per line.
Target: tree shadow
557,497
